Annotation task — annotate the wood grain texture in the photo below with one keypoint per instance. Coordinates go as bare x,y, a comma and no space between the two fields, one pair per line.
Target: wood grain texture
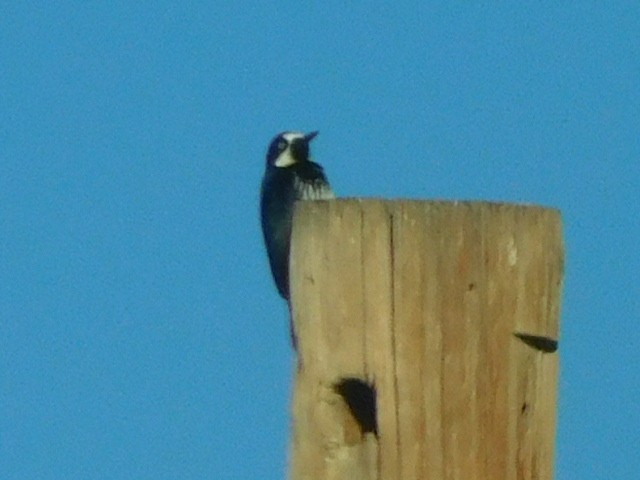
422,301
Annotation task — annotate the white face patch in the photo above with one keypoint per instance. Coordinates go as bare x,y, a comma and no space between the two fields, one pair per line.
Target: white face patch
290,136
285,159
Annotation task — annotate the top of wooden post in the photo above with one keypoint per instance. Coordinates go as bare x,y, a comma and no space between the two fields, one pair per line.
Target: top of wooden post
442,310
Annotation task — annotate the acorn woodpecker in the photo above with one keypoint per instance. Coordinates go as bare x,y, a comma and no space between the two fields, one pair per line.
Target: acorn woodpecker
289,176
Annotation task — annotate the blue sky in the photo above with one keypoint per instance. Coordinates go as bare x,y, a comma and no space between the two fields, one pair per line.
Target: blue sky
140,333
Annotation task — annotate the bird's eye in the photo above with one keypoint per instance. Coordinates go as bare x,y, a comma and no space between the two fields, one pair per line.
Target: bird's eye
282,145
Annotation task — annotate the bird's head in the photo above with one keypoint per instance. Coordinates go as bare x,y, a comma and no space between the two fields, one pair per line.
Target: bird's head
289,148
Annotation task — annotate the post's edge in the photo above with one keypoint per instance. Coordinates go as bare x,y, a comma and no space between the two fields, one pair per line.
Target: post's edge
435,202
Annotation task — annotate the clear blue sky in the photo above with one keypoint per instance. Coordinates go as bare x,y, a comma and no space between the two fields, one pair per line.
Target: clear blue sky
140,333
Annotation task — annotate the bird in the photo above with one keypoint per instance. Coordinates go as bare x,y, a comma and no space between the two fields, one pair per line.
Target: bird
290,175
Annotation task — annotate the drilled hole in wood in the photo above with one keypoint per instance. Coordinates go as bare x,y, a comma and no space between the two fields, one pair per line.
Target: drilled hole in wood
360,397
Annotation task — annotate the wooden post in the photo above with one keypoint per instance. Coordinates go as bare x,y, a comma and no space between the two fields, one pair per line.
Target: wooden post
426,334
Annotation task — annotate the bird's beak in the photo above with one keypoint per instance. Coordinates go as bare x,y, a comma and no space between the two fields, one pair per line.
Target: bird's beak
310,136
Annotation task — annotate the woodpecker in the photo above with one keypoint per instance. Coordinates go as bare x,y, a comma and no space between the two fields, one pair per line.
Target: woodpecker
290,175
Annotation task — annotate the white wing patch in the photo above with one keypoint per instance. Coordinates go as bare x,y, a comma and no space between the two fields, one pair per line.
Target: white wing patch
314,190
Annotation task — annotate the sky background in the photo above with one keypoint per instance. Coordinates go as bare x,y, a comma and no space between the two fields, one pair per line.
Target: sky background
140,333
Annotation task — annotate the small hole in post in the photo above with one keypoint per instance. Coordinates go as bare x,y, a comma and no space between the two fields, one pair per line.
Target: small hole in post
360,397
538,342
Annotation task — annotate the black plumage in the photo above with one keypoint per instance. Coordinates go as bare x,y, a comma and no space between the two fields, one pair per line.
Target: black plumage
289,176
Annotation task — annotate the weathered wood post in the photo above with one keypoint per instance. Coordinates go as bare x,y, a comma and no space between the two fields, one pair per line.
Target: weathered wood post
426,335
